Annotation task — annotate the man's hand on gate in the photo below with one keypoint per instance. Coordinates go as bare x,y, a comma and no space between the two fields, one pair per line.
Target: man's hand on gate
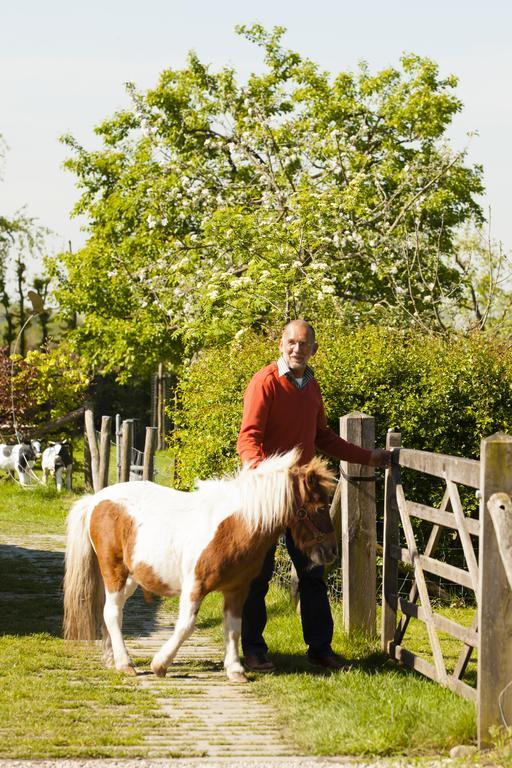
380,458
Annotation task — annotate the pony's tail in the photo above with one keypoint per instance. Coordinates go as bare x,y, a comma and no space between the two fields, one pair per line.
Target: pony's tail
84,593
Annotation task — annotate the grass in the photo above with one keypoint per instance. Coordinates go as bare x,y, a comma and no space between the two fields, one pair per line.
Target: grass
377,708
57,701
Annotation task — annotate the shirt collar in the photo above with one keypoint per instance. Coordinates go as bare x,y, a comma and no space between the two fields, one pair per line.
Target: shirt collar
283,370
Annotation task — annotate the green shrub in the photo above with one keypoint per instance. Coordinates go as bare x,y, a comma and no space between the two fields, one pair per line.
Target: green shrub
444,394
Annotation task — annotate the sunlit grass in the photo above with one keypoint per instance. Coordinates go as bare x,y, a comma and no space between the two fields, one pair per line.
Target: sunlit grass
377,708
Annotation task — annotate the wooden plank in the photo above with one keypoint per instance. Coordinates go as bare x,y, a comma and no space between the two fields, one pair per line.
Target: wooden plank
455,468
420,582
433,540
465,654
415,662
437,567
442,623
359,531
390,539
467,544
494,608
437,516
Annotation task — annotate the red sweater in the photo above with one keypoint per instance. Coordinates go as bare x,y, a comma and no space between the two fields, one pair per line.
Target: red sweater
278,417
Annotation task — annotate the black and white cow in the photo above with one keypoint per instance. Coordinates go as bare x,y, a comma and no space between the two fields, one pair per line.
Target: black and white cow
19,458
57,460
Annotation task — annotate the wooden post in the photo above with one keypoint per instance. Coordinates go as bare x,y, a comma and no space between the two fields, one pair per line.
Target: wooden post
160,407
390,538
104,451
495,596
358,526
93,447
118,447
126,449
88,479
148,469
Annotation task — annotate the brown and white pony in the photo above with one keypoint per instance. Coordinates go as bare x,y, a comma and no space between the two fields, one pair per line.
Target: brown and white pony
171,542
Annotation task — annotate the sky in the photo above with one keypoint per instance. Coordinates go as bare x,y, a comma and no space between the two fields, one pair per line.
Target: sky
64,65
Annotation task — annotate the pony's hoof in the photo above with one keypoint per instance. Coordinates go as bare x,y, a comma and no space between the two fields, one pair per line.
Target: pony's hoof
237,677
158,669
128,669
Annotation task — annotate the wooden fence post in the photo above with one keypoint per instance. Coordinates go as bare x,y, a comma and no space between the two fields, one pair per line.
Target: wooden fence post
90,431
358,526
104,451
495,596
126,449
149,453
390,537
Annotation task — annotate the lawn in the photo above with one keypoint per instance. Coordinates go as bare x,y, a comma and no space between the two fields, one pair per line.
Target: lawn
57,701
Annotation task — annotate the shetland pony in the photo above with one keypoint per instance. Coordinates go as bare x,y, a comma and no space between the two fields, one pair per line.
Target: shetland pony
170,542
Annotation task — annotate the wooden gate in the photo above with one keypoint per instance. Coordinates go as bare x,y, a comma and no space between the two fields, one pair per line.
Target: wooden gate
490,635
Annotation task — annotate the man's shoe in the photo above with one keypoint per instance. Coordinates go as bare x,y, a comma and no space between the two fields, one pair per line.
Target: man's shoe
258,663
330,661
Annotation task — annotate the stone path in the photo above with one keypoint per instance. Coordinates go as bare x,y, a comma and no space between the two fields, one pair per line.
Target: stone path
204,714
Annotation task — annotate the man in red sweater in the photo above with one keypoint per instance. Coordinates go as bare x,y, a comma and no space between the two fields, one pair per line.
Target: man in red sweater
283,409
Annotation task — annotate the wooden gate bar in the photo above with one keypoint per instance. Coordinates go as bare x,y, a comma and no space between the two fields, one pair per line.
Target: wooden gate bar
443,624
440,517
416,561
424,667
467,544
437,567
456,468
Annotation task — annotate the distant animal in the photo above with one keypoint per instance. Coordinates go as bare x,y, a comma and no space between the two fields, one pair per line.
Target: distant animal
57,460
171,542
36,447
20,459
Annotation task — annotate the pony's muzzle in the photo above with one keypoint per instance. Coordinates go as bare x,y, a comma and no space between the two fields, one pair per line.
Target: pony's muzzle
324,554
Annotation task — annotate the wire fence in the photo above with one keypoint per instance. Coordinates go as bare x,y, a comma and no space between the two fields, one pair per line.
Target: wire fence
439,589
163,464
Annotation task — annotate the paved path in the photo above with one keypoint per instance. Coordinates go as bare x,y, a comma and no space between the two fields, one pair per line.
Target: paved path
207,722
204,714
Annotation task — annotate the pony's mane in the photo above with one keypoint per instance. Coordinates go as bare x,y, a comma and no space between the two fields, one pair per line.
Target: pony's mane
264,495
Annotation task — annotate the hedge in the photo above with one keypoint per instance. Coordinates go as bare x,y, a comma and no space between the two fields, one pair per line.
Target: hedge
444,394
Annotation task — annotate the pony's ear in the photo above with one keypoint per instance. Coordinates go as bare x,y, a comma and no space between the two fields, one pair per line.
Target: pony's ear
318,469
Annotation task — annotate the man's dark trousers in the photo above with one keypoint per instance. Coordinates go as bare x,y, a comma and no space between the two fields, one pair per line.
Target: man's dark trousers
317,624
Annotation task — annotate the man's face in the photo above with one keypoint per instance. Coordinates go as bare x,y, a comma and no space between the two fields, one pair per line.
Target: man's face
297,346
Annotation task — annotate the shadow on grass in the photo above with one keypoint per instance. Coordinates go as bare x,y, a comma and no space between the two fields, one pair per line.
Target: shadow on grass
31,595
289,663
